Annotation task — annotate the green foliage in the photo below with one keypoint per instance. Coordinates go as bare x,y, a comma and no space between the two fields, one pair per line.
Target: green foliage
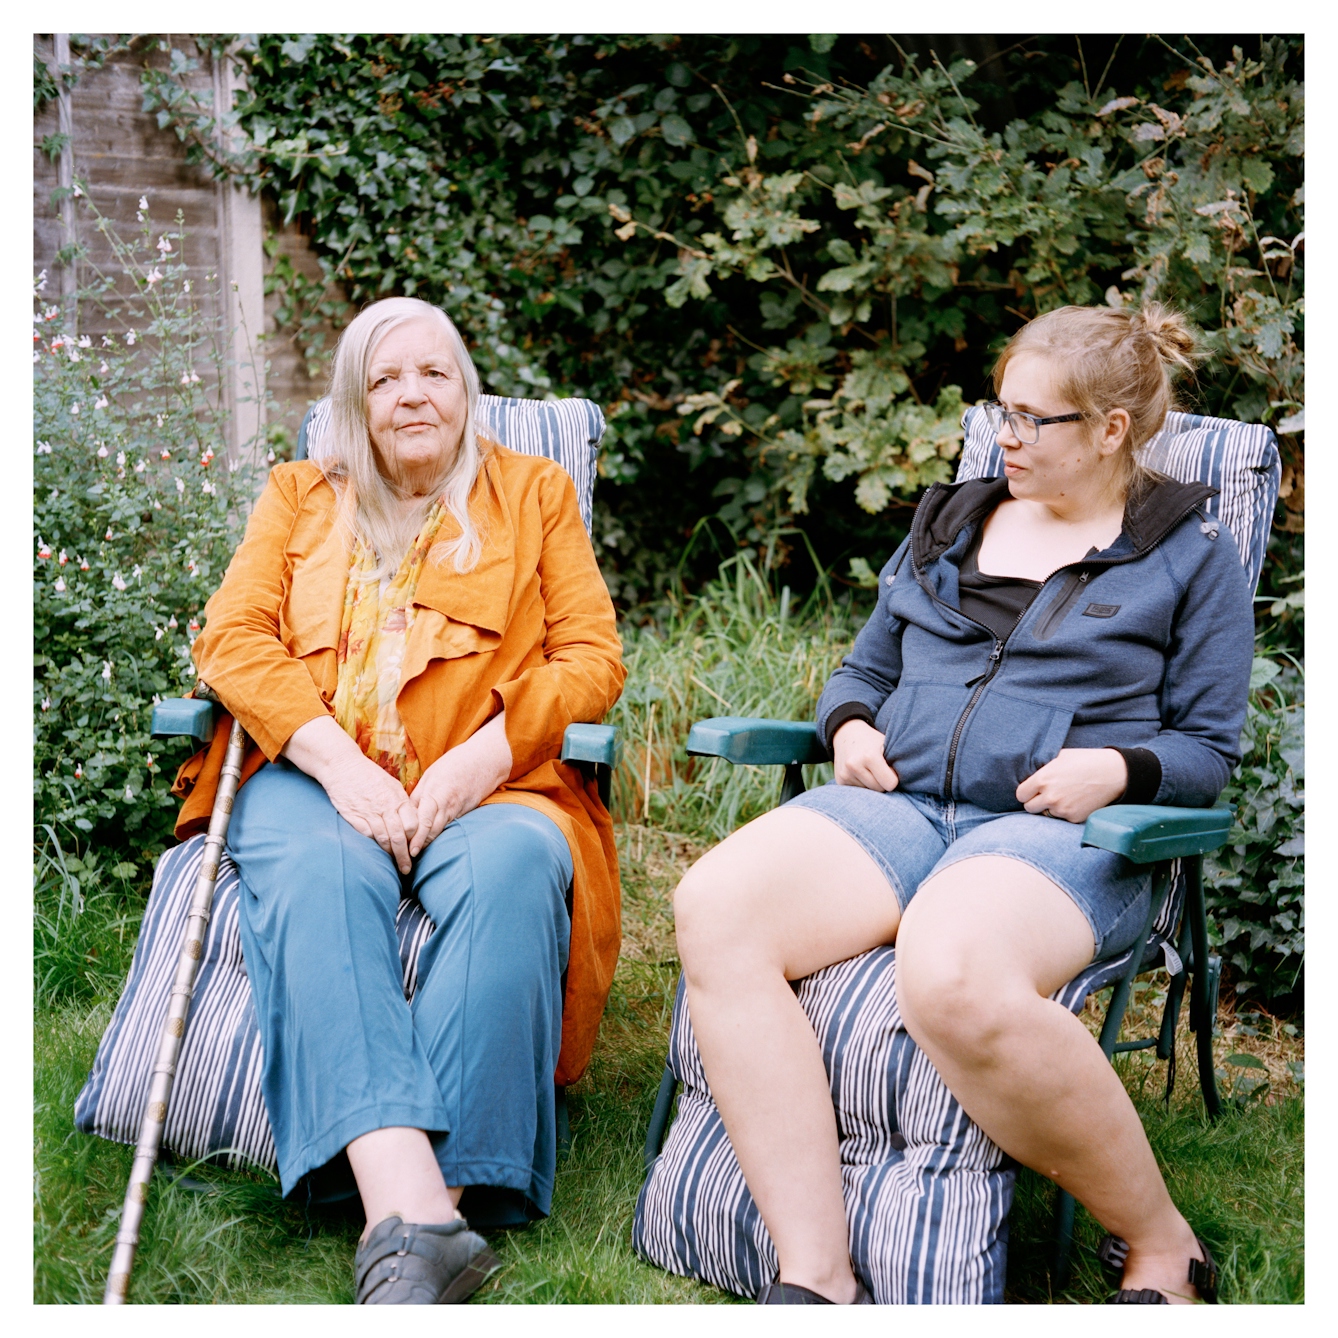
134,518
1256,883
828,240
1197,202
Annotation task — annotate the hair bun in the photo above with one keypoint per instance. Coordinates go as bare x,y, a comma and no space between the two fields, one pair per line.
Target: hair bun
1171,333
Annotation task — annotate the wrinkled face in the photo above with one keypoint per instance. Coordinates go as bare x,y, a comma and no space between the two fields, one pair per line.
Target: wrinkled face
1066,457
416,403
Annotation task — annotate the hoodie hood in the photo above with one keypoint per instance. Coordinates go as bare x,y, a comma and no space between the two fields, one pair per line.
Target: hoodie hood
946,509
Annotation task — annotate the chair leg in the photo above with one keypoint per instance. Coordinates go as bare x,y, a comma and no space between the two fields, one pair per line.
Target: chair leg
659,1119
1203,986
1062,1265
792,784
1065,1206
1119,999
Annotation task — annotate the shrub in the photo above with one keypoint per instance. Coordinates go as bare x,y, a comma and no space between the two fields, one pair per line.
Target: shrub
1256,883
135,514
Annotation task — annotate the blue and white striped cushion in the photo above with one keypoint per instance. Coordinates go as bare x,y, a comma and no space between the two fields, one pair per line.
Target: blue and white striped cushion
568,431
216,1108
1240,460
927,1194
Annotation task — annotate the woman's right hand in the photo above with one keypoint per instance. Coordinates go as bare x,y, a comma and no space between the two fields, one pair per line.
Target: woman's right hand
370,800
858,751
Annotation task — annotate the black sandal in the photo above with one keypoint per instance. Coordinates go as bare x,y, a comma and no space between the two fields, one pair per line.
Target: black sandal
789,1293
404,1263
1202,1274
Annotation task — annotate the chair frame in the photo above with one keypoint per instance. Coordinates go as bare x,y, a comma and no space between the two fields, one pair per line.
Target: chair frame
1143,833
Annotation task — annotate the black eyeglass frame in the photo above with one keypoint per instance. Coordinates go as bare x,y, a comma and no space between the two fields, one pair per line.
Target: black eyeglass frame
996,416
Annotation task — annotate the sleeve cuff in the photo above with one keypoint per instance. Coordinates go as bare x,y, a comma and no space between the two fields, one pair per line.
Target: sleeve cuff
1144,776
839,716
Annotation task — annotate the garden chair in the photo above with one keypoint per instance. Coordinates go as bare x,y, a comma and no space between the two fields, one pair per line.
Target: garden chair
216,1112
926,1197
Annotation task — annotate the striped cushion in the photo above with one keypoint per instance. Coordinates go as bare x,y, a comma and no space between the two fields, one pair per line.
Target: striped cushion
927,1194
216,1109
1240,460
568,431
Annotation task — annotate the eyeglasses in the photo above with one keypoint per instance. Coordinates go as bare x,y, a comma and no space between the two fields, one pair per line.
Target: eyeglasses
1026,427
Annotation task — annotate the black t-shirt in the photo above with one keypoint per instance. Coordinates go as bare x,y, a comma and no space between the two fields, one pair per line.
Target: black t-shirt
996,601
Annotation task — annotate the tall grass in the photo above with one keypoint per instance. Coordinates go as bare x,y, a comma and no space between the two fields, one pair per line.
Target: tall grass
738,648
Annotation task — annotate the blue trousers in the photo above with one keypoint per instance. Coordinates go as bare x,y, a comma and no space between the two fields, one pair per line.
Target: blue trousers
471,1059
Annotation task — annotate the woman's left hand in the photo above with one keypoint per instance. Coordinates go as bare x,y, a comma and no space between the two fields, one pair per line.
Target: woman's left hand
1075,784
460,780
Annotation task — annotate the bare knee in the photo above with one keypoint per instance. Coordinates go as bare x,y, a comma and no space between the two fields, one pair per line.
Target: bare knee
717,932
948,1006
958,994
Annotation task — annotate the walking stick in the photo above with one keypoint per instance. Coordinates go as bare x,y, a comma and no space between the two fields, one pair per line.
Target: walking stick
174,1025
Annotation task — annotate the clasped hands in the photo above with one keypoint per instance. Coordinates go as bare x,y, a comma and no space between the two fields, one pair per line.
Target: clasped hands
374,803
1072,786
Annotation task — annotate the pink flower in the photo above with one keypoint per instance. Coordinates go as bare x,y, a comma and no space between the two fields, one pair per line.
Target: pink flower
152,277
118,581
63,558
44,552
103,452
60,585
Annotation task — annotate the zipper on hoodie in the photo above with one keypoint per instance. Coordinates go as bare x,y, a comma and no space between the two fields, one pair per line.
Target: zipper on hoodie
996,659
1058,610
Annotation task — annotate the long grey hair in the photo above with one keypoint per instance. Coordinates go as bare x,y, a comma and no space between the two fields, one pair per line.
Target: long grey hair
370,507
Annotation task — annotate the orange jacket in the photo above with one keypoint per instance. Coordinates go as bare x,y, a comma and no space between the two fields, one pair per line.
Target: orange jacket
530,630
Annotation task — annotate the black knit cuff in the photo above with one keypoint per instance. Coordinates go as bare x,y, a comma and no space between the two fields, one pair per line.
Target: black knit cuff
846,711
1144,775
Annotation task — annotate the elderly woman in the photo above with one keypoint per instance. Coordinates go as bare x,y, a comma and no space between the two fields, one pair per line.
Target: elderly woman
1073,634
405,632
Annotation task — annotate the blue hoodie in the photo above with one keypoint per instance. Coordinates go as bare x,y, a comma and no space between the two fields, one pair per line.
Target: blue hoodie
1144,645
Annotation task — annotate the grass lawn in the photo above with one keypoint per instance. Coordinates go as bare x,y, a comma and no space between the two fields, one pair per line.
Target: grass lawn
1239,1181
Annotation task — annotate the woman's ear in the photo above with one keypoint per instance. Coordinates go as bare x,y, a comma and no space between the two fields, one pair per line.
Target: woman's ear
1113,434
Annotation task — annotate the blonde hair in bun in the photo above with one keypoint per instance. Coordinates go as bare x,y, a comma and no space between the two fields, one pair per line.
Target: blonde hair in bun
1113,358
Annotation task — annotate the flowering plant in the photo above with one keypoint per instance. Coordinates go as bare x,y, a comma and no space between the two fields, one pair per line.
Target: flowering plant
136,510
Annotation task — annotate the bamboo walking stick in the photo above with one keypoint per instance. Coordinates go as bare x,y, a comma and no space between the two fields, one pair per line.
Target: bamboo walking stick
174,1025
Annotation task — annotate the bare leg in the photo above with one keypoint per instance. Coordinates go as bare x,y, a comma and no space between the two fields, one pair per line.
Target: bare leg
781,898
982,946
398,1176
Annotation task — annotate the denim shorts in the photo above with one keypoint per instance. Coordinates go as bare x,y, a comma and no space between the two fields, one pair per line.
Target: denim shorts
912,836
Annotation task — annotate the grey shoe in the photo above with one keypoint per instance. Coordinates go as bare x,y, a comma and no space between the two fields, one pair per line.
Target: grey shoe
404,1263
788,1293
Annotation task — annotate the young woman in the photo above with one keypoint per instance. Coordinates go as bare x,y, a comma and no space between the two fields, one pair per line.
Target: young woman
1072,635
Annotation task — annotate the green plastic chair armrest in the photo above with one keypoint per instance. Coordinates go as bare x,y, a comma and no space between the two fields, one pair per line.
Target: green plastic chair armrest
600,744
750,741
1145,833
178,716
